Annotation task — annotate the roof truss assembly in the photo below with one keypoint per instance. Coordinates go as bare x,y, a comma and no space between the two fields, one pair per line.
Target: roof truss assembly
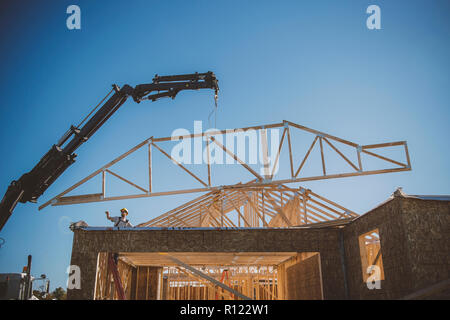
266,178
254,206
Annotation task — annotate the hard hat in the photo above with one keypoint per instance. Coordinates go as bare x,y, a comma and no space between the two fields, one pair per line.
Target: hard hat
124,210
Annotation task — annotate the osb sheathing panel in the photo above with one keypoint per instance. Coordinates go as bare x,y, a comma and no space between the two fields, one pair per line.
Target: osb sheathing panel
304,280
414,237
87,245
388,220
427,229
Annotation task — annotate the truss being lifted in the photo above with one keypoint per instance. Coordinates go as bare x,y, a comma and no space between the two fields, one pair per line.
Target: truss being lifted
265,182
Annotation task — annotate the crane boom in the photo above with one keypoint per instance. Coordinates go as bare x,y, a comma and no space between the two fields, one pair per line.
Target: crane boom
61,155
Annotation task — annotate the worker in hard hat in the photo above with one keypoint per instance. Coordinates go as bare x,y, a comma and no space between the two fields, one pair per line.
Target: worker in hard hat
122,221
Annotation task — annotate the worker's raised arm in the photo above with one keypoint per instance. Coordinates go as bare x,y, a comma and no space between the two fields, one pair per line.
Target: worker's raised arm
107,216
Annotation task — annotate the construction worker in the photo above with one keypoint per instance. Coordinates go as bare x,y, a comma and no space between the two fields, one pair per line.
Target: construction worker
122,221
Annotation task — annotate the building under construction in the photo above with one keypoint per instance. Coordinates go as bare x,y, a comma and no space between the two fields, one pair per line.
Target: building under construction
266,238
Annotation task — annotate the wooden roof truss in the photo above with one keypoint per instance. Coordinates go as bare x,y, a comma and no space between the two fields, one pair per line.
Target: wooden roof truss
265,201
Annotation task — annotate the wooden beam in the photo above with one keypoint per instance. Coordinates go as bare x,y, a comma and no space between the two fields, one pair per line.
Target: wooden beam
384,158
265,152
60,201
383,145
179,164
280,211
322,156
256,209
341,154
306,156
150,167
322,134
125,180
207,277
278,155
235,157
290,152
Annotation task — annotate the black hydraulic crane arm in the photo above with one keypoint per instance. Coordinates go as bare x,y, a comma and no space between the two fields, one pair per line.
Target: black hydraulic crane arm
33,184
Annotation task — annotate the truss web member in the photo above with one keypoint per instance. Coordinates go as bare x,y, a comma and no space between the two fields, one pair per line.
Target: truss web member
122,221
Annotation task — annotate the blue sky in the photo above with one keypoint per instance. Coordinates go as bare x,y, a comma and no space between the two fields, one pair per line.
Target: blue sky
311,62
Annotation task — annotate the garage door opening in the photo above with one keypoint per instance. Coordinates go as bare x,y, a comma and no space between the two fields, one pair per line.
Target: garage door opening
208,276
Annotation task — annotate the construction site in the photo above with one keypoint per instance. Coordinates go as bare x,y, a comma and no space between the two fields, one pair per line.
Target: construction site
265,239
224,153
253,234
319,261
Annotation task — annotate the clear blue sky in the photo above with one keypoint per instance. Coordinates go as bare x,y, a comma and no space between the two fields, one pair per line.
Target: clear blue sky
311,62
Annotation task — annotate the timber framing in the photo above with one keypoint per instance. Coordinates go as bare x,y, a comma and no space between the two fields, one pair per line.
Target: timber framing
356,167
219,276
270,206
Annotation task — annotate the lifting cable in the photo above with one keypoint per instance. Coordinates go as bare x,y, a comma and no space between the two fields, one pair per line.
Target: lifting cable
213,111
